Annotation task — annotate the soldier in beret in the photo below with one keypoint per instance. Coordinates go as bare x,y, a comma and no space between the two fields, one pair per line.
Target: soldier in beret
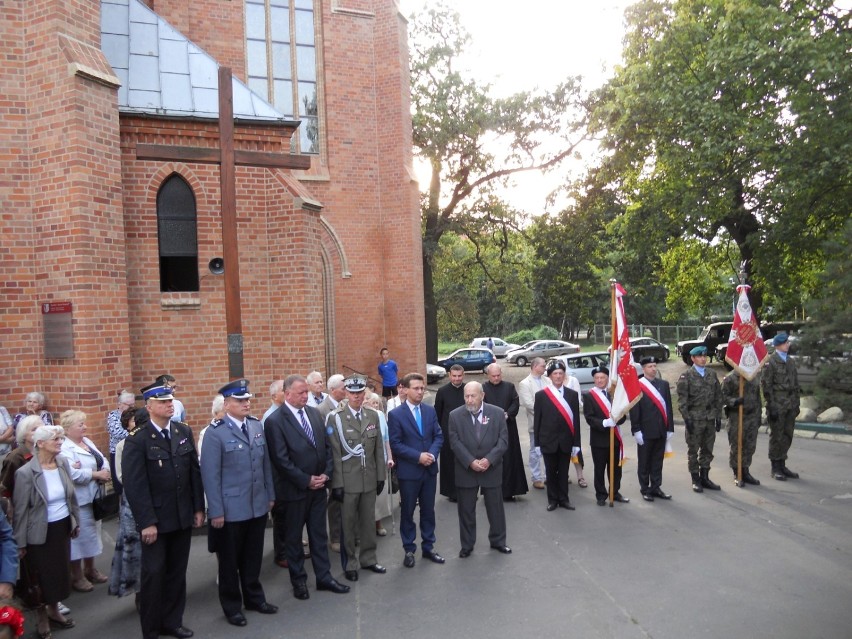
238,482
359,475
162,483
751,420
700,402
780,383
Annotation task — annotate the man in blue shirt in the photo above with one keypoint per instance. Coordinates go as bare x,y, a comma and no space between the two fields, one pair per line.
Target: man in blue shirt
388,371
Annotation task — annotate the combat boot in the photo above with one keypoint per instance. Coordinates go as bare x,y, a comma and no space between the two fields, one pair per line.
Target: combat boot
777,472
696,483
787,472
705,480
747,478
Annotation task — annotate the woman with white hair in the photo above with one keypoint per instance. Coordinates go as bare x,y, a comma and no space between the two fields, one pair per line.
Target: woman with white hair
46,517
217,412
34,405
7,431
88,469
21,455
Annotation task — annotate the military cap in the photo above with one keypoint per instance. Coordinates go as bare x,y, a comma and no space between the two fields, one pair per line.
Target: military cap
600,369
698,350
355,384
555,364
649,359
781,338
157,391
238,389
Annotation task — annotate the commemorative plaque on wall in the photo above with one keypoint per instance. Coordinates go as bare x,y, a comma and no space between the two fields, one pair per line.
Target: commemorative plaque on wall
58,333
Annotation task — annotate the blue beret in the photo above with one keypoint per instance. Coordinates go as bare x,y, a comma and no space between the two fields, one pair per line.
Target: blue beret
779,339
698,350
238,389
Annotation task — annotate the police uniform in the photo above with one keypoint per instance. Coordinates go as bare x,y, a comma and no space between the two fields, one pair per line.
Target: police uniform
162,483
780,383
751,420
359,473
700,402
237,476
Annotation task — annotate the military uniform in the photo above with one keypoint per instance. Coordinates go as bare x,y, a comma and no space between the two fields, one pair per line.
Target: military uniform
780,383
359,465
700,403
751,420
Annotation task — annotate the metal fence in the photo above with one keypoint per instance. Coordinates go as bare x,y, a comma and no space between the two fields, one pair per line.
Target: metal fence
666,334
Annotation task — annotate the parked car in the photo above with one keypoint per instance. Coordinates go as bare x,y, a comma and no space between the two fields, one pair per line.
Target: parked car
546,348
768,330
500,347
580,365
434,373
712,335
470,359
648,347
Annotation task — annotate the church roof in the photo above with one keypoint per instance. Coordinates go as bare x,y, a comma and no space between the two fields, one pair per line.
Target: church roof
163,73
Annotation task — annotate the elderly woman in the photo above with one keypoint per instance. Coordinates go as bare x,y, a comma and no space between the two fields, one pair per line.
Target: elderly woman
46,516
21,455
117,432
384,501
7,431
34,404
88,469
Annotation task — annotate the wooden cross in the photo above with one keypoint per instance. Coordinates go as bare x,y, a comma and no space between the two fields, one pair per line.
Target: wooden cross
227,158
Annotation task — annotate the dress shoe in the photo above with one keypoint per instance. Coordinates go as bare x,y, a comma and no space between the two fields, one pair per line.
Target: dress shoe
621,498
300,591
601,502
464,553
647,497
538,484
237,619
181,632
351,575
503,549
658,492
332,585
566,505
551,507
408,562
432,556
265,608
281,563
376,568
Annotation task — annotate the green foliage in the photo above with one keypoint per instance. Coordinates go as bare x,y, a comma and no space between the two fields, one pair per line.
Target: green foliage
527,335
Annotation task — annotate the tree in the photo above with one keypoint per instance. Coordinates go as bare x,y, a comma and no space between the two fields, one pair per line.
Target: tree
474,142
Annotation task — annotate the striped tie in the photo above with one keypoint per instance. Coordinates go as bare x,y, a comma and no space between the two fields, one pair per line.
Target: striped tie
306,427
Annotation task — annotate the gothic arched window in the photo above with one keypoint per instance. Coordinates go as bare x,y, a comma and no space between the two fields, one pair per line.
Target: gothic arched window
178,236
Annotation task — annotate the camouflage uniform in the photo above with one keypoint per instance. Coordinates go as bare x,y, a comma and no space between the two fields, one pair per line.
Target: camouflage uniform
751,416
700,402
780,384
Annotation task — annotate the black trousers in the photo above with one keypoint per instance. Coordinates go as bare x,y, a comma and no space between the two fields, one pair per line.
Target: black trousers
288,519
163,578
239,548
556,467
600,458
650,469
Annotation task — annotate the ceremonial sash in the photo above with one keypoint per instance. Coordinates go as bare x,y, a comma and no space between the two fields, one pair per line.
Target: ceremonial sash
605,406
561,406
654,395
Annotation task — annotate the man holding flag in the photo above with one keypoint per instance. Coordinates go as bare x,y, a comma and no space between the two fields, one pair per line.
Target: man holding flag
749,398
597,409
652,424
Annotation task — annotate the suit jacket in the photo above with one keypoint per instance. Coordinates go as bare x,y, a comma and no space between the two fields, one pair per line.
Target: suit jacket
349,474
162,480
645,415
407,443
527,388
491,444
31,501
328,406
598,435
294,458
236,470
551,432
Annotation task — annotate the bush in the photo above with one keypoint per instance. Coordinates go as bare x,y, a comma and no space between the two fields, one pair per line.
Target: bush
529,334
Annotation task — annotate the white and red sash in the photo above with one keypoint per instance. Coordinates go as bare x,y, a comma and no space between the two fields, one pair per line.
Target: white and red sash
655,397
561,405
606,407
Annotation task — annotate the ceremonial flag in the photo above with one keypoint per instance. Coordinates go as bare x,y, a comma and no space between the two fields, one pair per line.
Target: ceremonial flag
628,391
746,351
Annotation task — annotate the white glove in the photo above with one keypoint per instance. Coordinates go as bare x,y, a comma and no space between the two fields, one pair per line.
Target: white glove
575,451
669,436
608,423
639,438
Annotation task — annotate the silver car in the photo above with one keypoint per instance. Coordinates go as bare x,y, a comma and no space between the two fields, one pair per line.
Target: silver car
580,365
500,347
546,348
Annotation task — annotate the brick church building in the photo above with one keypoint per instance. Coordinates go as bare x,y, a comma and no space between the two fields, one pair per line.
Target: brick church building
117,174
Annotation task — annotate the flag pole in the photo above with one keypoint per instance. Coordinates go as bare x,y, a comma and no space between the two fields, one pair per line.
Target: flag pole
612,284
740,434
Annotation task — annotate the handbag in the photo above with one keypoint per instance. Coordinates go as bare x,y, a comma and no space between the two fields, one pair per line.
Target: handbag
27,588
105,504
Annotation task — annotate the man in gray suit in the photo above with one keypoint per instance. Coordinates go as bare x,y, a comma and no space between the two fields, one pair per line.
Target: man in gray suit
479,437
237,476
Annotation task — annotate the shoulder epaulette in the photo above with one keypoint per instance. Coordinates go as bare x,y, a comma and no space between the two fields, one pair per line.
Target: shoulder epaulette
216,423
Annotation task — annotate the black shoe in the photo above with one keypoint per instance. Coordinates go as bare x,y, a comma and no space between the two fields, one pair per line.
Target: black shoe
551,507
566,505
647,497
747,478
237,619
621,499
181,632
512,498
332,585
696,483
658,492
264,608
301,591
351,575
503,549
376,568
408,562
601,502
432,556
706,482
778,472
787,472
464,553
453,500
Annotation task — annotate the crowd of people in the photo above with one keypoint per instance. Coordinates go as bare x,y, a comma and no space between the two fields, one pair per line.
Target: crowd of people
326,461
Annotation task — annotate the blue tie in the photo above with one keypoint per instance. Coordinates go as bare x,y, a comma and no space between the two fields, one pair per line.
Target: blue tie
305,427
419,420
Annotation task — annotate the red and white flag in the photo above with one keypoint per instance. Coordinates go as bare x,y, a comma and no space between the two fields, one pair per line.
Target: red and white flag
627,391
746,350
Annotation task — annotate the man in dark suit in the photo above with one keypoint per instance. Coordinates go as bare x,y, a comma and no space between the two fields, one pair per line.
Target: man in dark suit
415,438
479,438
556,432
596,409
652,424
162,483
238,483
448,398
301,467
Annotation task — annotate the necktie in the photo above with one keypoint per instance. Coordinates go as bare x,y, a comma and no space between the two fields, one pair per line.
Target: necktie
606,394
358,416
419,420
478,424
166,434
306,427
244,429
